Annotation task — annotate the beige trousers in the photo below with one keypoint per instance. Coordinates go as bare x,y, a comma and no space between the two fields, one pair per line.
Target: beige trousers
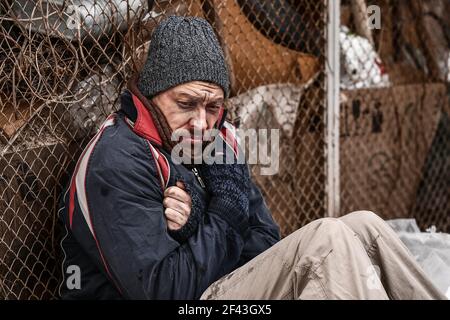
357,256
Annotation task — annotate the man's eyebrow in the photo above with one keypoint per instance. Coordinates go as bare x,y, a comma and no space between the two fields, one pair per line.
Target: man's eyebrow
187,95
216,100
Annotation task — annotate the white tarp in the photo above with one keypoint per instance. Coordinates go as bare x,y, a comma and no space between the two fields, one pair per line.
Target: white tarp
431,250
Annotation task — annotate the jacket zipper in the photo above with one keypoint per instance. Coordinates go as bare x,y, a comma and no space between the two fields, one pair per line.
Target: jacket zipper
199,179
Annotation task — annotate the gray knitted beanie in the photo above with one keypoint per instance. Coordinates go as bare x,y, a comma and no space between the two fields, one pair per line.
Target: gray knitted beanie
183,49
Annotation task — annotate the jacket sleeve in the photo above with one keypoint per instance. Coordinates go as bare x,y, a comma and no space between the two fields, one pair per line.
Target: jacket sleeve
125,204
263,231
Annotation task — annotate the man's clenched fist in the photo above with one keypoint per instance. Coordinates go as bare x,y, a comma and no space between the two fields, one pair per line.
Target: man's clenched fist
177,203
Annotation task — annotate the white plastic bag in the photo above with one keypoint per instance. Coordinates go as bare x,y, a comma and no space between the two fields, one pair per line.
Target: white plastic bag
361,67
431,250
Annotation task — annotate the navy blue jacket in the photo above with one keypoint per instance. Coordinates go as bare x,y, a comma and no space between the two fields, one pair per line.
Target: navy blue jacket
116,232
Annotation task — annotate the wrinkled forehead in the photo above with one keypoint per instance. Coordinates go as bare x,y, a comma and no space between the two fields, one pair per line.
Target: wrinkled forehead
205,91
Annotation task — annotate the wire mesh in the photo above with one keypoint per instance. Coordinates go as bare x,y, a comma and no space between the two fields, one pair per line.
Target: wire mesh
63,65
394,109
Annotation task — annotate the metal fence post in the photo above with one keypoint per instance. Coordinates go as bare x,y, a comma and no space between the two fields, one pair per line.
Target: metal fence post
332,108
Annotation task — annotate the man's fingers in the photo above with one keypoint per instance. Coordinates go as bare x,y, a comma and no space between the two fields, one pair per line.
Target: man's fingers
177,193
177,205
180,184
172,225
175,216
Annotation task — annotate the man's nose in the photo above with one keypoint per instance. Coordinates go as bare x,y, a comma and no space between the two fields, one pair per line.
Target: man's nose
198,122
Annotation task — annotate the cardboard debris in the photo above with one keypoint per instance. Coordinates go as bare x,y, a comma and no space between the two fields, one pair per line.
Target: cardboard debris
385,137
12,118
29,182
256,60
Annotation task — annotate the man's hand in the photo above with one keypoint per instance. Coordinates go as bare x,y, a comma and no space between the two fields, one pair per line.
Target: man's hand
178,205
229,187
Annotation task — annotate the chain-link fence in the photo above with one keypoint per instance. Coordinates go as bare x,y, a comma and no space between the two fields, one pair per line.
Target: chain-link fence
63,64
394,147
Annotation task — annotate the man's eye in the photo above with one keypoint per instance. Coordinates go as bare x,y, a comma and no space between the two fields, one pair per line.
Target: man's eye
185,105
214,108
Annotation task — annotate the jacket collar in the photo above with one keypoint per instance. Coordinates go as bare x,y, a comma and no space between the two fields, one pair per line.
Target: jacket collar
135,111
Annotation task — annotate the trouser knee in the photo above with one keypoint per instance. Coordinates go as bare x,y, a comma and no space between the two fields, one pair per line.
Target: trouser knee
363,221
324,231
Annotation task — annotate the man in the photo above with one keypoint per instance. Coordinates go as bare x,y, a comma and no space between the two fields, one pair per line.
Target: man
140,225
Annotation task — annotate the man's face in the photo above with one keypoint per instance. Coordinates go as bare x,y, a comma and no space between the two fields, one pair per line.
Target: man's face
193,107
